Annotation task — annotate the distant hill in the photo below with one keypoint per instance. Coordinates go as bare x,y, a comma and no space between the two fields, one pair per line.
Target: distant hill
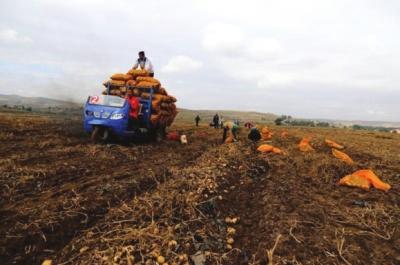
15,101
241,116
35,102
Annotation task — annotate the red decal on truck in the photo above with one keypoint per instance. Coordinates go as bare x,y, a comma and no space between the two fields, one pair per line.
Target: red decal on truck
94,99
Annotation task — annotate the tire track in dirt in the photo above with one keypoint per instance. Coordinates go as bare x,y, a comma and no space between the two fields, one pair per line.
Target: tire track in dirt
77,189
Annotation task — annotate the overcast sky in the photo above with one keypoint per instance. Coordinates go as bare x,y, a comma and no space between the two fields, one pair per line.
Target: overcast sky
308,59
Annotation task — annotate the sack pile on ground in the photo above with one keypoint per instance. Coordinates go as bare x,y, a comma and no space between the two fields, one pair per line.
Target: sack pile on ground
163,108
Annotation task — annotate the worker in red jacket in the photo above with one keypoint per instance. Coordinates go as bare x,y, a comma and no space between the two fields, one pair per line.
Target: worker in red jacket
133,109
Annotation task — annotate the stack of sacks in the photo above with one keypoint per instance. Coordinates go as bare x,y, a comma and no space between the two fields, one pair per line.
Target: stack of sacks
119,80
163,108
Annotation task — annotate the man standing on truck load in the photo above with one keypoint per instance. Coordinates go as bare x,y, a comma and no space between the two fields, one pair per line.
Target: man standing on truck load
232,128
133,109
144,64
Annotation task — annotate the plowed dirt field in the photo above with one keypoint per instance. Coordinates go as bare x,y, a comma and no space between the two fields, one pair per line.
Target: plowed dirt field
65,199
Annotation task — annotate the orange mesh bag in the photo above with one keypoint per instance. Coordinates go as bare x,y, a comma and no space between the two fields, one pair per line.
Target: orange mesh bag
115,92
155,105
304,145
163,92
342,156
136,73
164,113
114,83
373,179
165,106
333,144
147,79
277,151
229,139
137,92
265,148
155,96
148,84
265,129
265,133
131,83
173,99
154,119
122,77
355,181
284,134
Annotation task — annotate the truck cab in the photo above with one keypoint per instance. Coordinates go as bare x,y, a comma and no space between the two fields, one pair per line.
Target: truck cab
107,116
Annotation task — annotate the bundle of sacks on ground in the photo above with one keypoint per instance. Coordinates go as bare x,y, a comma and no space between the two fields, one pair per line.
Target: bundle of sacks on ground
163,108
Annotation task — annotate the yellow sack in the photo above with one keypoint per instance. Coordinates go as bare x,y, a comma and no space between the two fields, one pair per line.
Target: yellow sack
333,144
355,181
265,148
304,146
229,139
342,156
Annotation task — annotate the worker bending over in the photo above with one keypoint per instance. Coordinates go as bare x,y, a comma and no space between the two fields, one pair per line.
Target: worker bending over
232,128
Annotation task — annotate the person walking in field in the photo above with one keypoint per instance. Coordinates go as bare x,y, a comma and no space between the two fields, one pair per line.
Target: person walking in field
197,120
232,128
221,122
216,121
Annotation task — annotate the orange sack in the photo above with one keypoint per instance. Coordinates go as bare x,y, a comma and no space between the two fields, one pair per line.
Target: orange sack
373,179
361,177
342,156
304,146
121,77
277,151
284,134
355,181
229,139
265,133
333,144
265,148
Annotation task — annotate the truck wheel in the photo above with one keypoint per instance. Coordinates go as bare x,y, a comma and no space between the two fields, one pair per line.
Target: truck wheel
160,133
95,133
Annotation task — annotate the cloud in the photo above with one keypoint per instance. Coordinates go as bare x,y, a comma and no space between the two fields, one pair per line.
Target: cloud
11,36
263,48
376,113
221,37
181,64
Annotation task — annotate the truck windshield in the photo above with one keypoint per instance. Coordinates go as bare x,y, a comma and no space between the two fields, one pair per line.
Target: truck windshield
106,100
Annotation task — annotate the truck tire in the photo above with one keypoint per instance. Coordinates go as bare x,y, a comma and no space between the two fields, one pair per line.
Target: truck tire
95,133
159,135
100,134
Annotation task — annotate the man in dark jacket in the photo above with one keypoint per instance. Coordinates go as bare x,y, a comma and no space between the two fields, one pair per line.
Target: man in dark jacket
197,120
216,121
254,134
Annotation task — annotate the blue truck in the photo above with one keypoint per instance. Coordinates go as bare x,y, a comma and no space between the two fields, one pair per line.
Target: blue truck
107,116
